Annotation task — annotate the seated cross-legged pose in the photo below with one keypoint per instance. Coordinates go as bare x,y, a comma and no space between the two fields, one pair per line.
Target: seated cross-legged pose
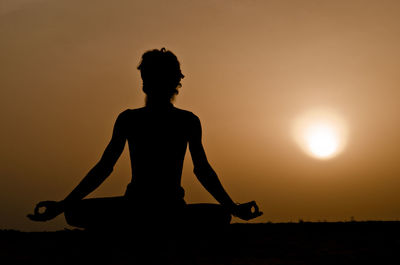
157,136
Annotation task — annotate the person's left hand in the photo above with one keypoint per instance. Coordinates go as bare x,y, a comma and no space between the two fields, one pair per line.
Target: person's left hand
51,210
247,211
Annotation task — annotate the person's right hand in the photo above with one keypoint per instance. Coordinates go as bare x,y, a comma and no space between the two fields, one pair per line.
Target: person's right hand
51,210
247,211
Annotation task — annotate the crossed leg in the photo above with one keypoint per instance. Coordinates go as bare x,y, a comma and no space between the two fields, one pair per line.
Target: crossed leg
118,212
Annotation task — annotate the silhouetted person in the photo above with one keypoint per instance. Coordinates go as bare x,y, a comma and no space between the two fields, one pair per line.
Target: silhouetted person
157,135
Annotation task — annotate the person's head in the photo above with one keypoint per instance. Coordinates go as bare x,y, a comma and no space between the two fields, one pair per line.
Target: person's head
161,74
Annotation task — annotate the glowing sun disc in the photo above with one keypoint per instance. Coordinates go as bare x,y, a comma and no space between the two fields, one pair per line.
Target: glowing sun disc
320,133
322,140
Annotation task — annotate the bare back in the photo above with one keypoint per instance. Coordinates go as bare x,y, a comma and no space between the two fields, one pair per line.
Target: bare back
157,139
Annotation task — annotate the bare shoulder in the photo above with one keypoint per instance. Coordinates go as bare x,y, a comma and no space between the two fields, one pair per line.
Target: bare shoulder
126,118
188,115
191,122
130,113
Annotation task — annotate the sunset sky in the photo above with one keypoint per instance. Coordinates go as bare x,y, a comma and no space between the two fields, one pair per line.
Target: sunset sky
252,69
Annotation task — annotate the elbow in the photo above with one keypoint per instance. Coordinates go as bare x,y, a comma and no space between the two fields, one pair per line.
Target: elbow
103,169
202,172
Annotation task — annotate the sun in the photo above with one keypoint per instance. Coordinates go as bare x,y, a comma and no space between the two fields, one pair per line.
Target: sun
320,133
322,140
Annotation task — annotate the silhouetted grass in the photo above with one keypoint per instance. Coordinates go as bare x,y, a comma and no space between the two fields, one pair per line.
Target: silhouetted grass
354,242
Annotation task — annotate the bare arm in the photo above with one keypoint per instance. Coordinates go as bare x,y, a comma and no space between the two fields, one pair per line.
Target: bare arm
104,167
203,170
209,179
92,180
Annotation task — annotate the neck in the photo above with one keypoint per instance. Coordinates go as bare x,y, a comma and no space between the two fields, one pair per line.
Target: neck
157,102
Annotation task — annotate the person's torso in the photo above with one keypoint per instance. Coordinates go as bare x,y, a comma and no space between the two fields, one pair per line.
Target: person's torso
157,140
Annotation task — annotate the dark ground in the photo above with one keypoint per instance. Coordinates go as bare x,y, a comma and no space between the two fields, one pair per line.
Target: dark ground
281,243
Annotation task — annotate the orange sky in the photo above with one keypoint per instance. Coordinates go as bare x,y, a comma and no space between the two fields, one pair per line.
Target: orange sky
68,68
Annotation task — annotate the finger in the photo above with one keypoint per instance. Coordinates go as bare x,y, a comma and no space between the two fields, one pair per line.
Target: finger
252,215
256,209
44,203
259,214
36,218
255,215
36,211
251,203
30,216
246,206
252,207
37,207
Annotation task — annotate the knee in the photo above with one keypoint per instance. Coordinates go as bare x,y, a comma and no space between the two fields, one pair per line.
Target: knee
69,217
226,217
72,217
222,215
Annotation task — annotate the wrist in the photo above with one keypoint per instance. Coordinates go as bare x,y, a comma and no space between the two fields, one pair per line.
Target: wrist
231,207
63,204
